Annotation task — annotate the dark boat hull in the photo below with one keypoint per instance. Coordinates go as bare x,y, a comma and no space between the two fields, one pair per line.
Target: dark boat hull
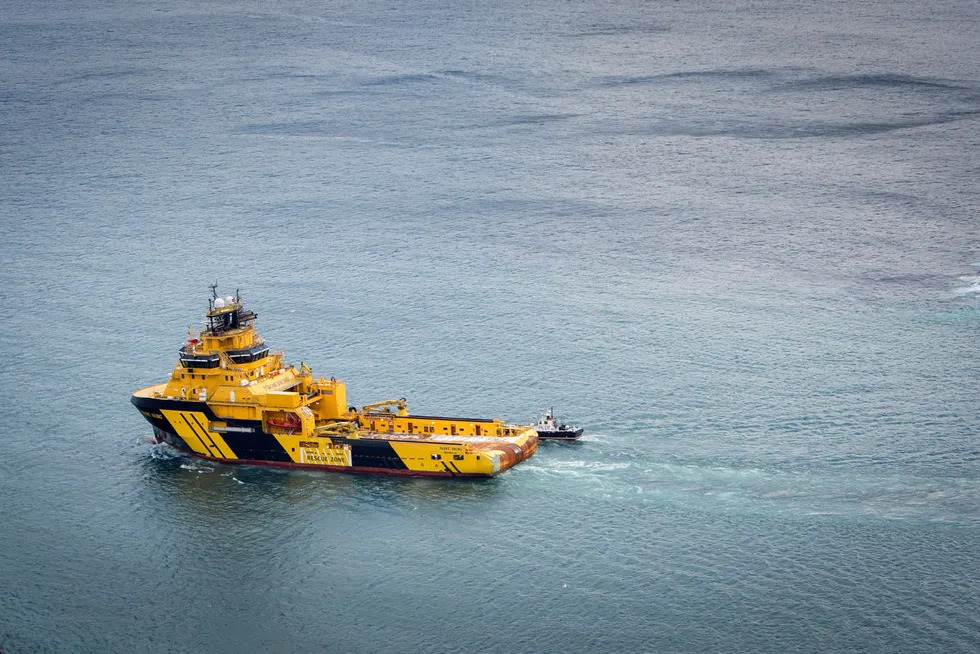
560,434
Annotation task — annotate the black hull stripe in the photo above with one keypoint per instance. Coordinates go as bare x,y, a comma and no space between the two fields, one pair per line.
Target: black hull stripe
190,426
255,445
207,435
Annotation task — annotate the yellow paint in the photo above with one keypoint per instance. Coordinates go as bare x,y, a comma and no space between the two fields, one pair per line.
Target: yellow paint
282,400
453,458
194,428
328,454
316,451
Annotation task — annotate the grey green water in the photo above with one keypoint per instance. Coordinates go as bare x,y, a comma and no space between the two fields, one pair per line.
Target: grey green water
737,242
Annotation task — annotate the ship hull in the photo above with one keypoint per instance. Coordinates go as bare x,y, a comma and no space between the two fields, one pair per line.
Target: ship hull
193,427
178,444
560,435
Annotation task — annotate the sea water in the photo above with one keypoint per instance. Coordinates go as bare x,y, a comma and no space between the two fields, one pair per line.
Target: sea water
736,242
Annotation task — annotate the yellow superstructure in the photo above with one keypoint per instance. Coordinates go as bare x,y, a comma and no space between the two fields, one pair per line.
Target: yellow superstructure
229,398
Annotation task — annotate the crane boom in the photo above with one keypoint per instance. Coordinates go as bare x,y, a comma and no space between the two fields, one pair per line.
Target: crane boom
385,406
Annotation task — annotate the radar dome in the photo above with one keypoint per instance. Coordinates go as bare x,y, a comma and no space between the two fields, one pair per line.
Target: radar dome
229,300
219,303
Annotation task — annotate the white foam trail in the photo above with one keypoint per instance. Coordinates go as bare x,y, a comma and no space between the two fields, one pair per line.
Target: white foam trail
193,467
162,451
973,279
586,465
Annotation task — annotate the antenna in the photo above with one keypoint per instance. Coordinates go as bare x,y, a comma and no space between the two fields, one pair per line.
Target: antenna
214,290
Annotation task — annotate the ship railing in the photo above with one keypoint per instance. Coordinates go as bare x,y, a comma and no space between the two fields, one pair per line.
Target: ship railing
228,364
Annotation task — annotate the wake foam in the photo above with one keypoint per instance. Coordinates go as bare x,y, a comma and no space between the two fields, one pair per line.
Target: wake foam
161,451
974,286
196,467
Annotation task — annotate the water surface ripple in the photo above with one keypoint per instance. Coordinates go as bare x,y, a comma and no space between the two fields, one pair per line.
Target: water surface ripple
738,244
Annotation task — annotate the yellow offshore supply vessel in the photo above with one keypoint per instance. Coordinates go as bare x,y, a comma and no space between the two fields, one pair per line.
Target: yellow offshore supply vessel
231,399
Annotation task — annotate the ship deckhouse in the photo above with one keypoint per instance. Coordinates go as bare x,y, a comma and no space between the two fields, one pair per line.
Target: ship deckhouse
230,336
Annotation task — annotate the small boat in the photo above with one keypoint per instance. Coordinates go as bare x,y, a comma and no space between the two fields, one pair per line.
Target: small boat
549,429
